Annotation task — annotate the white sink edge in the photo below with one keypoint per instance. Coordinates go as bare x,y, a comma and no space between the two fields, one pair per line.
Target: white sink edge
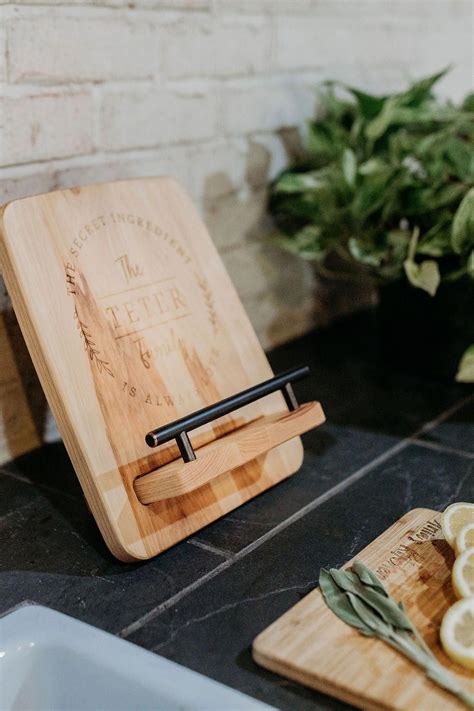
30,628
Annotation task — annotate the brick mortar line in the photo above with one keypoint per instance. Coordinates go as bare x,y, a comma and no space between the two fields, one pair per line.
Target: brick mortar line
93,160
119,153
300,11
161,80
165,14
210,10
338,488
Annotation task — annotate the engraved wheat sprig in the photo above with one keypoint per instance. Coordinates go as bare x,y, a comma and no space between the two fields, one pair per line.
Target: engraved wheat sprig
90,346
208,300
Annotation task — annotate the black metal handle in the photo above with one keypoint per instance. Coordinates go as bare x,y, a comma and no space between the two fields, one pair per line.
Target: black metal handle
179,429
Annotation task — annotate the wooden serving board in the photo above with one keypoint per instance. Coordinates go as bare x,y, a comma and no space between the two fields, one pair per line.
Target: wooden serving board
312,646
132,322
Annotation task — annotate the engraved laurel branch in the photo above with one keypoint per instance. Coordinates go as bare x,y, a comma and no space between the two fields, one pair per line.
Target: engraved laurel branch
208,300
90,346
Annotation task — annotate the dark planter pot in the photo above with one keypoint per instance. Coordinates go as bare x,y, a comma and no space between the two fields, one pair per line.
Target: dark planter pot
426,335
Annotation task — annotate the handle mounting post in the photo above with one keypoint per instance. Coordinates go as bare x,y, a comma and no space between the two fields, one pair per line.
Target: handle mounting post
179,429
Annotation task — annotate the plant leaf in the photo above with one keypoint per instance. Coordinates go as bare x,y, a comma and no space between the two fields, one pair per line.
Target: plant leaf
421,90
297,182
468,103
435,246
424,276
377,169
470,265
349,166
327,136
377,127
369,104
462,235
460,157
366,253
306,242
465,372
373,165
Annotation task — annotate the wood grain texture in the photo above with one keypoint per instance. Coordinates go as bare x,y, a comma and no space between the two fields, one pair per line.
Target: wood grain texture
312,646
227,452
131,322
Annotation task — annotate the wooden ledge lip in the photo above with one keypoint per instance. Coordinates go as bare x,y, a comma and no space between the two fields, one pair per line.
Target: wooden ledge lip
226,453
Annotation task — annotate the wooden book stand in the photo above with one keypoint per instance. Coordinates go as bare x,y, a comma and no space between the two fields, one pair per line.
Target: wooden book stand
132,324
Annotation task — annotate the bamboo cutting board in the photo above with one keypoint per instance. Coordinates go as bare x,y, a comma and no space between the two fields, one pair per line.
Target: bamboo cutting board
312,646
132,322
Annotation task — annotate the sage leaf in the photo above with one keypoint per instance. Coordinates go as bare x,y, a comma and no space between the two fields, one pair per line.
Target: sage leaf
367,577
360,600
338,602
383,605
369,617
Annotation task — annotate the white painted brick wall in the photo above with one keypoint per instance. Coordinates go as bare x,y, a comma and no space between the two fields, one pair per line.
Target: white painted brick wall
217,167
46,125
268,103
236,46
211,92
3,53
88,47
155,116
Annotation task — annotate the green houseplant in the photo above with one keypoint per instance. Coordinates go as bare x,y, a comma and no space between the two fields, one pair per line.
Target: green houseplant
386,192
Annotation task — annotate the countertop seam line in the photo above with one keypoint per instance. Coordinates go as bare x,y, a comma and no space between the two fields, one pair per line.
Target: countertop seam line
162,607
39,485
443,416
296,516
212,549
443,448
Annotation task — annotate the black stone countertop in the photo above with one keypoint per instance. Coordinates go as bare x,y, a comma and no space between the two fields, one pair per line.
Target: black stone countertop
393,442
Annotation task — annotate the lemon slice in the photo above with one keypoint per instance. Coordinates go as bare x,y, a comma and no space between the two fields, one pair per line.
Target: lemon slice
465,538
463,574
457,632
456,517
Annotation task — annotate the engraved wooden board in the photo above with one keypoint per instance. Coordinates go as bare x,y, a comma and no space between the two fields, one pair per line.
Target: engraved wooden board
312,646
132,321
